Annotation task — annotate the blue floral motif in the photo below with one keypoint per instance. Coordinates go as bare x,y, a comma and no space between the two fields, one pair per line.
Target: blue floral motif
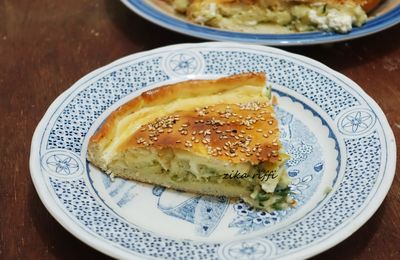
249,219
298,152
62,164
247,250
357,121
183,64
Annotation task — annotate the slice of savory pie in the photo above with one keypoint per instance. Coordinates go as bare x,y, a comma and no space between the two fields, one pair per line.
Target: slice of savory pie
269,15
214,137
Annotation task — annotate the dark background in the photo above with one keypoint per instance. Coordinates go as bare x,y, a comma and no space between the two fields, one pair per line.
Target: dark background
47,45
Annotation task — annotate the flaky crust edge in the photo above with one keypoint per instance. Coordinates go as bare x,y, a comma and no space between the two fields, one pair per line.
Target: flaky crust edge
164,95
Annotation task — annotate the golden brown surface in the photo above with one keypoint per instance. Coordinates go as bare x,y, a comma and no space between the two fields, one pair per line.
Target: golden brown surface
171,92
235,132
231,132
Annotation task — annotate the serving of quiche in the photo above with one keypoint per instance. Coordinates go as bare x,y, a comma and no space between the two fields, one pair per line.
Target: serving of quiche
213,137
293,15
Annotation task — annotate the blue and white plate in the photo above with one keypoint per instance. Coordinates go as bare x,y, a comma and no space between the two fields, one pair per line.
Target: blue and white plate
383,17
342,162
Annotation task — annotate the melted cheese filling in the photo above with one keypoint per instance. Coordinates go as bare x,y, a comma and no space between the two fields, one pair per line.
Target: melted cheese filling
292,16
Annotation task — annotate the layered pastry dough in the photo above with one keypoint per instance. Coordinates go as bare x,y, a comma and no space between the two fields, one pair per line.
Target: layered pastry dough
215,137
290,15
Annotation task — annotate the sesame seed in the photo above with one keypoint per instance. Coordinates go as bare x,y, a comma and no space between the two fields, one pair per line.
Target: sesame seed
270,122
265,135
270,132
178,141
259,130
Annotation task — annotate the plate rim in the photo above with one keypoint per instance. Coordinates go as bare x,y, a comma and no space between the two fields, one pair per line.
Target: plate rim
109,249
302,39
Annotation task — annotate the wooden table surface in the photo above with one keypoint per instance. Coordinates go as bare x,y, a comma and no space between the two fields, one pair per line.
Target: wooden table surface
45,46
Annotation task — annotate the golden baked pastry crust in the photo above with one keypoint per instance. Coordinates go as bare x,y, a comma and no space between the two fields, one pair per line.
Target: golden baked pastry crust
192,134
167,93
231,132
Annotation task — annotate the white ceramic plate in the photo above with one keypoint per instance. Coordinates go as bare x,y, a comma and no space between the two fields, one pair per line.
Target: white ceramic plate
383,17
337,136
